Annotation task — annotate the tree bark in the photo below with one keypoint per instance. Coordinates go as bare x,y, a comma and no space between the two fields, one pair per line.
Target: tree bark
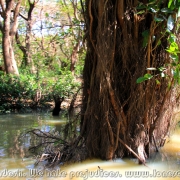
74,57
9,30
120,116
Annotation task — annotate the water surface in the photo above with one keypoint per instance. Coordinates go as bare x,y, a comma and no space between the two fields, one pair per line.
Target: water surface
14,164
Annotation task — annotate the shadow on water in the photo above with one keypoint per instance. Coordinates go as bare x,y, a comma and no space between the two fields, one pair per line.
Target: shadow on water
16,164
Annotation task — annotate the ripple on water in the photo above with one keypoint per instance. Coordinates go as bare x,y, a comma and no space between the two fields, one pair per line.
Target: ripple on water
167,159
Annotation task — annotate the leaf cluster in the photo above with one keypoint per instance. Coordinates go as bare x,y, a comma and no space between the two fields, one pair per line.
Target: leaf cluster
168,18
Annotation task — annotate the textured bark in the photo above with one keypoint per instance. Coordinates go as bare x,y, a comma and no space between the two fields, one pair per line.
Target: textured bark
121,118
9,30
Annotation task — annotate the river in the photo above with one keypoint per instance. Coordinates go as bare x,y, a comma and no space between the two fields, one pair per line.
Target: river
15,165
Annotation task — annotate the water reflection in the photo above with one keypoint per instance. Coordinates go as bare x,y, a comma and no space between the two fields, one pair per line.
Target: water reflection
14,154
11,126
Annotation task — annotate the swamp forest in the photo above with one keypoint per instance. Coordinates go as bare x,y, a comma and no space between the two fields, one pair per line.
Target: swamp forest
109,67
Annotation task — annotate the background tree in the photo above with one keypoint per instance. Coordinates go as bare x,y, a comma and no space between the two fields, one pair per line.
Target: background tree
9,13
127,43
76,29
26,49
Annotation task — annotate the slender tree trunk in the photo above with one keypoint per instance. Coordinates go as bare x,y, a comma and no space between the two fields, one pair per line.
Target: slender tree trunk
27,60
74,57
122,118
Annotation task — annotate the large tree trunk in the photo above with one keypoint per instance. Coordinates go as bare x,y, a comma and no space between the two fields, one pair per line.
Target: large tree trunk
119,114
9,30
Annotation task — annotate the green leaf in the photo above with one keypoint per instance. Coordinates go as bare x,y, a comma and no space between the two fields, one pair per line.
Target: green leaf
141,12
174,44
176,73
162,68
145,34
166,10
153,10
157,82
159,42
148,76
170,22
140,80
176,52
158,19
174,57
170,50
172,38
174,64
173,48
169,4
144,78
178,14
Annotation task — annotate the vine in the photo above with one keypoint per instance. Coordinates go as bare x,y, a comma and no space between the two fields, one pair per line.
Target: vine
169,19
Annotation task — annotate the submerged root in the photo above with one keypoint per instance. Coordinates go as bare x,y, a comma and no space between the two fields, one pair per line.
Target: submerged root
51,148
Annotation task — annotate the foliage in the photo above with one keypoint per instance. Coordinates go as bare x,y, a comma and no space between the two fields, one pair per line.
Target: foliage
20,92
12,90
57,29
168,18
